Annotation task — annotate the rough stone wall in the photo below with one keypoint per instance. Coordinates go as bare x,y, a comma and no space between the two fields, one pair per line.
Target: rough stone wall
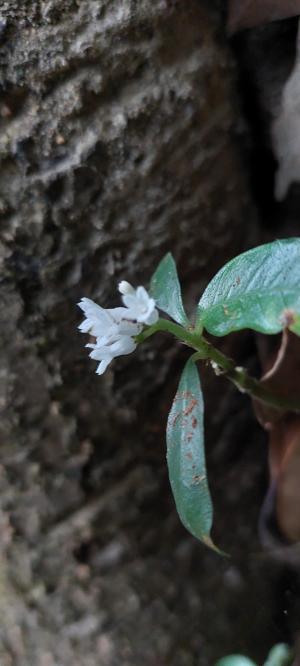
118,142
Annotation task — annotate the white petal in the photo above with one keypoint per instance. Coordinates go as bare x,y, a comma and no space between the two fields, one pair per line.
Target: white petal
127,327
98,321
130,300
119,347
85,326
152,318
126,288
141,306
117,314
102,366
101,353
146,302
106,323
143,295
102,341
99,331
93,311
125,345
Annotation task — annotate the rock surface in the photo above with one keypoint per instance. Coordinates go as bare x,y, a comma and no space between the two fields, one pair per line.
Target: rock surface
119,126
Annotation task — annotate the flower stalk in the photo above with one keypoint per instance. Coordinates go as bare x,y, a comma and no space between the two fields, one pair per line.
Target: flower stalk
119,330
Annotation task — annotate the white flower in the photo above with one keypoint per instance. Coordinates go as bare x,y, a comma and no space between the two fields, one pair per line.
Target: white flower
105,353
101,322
116,328
140,305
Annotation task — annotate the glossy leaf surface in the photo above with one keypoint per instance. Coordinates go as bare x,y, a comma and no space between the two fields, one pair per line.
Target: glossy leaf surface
166,291
235,660
259,289
186,457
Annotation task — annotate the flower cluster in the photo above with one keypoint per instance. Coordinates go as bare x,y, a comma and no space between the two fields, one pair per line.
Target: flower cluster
115,329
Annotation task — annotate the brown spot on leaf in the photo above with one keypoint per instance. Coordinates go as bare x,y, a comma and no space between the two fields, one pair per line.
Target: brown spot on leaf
194,422
192,404
197,478
183,395
237,282
176,417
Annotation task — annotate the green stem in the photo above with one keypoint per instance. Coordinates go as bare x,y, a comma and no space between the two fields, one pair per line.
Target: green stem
222,364
188,337
245,383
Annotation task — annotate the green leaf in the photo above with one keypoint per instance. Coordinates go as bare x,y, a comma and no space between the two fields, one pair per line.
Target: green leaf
165,289
280,655
235,660
186,457
259,289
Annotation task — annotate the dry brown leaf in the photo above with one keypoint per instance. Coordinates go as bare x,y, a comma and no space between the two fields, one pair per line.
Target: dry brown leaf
288,481
281,366
282,376
249,13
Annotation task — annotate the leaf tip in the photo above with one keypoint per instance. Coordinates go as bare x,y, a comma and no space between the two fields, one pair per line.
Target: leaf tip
207,540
